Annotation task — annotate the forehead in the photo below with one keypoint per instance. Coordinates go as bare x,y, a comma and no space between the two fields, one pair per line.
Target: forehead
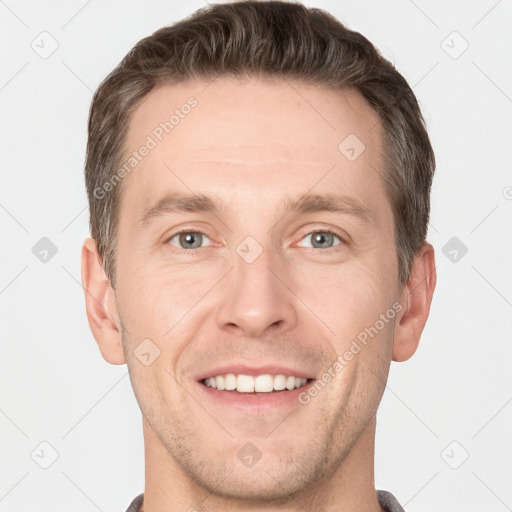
229,134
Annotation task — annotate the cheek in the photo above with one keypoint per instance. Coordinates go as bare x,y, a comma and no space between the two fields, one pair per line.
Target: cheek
160,304
346,300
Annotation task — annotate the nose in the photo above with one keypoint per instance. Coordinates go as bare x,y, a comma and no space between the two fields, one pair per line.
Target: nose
257,297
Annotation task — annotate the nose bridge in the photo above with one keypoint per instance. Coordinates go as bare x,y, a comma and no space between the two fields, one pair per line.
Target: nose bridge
254,298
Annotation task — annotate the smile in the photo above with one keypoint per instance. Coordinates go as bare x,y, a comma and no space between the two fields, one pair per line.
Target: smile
265,383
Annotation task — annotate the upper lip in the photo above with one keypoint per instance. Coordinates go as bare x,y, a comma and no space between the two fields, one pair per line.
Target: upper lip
253,370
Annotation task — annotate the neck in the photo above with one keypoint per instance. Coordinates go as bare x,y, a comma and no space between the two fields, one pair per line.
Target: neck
350,487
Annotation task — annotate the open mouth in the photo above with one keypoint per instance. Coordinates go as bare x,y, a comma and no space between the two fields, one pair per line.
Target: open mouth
266,383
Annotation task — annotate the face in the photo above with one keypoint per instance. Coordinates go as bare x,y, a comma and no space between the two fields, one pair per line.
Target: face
256,251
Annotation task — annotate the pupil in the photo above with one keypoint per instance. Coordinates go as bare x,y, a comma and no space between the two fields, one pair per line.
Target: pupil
321,238
190,239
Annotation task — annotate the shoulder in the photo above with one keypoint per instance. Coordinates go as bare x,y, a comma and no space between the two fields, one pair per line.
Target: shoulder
135,505
388,502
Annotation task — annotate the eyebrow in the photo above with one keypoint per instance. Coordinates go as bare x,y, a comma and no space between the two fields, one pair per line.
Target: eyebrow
175,202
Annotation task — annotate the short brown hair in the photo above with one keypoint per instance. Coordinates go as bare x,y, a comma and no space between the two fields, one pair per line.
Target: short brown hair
274,39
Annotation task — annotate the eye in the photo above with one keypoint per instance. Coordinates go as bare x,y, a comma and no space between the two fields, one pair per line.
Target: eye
322,239
187,240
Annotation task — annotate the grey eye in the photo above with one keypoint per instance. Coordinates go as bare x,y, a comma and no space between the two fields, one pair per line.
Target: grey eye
188,240
321,239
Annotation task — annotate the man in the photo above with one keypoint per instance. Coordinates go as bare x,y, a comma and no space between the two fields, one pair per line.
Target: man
259,181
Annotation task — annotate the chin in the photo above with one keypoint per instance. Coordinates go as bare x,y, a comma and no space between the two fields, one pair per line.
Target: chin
259,485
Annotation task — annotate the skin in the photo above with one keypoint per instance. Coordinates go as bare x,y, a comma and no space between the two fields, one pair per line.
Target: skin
251,143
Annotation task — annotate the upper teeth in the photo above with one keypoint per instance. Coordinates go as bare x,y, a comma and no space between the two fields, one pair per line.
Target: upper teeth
250,384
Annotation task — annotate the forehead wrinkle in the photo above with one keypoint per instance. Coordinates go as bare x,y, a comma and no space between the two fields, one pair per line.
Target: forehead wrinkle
234,161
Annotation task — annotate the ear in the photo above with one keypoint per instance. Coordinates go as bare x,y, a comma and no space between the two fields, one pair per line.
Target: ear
416,299
100,303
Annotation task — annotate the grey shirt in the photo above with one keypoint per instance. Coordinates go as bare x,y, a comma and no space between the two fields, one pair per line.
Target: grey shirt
386,500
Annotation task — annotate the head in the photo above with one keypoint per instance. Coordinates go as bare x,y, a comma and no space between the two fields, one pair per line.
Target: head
258,179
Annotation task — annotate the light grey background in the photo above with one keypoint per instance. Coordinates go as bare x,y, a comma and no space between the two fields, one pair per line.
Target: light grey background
451,400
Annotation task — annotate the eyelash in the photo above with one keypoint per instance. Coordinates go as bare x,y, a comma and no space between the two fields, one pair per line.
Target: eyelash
336,248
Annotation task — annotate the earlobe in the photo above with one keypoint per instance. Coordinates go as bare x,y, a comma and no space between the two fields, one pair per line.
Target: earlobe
100,304
416,301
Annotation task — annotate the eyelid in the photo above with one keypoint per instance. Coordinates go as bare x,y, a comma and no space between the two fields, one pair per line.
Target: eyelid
173,231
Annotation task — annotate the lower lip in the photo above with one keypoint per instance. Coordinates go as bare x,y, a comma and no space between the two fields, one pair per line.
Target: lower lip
256,401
